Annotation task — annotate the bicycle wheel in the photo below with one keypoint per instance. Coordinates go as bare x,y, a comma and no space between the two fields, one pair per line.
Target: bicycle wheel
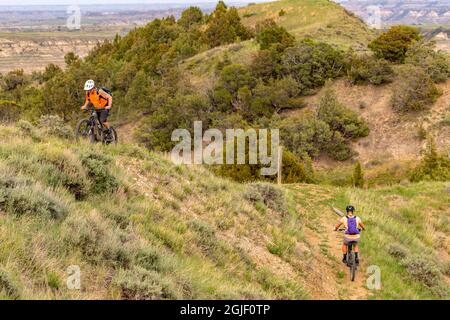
352,266
83,130
113,138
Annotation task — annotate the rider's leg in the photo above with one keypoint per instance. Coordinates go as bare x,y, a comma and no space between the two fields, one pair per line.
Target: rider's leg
356,249
344,252
104,119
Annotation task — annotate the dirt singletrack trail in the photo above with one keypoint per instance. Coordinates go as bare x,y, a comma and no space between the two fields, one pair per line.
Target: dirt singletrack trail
125,132
327,277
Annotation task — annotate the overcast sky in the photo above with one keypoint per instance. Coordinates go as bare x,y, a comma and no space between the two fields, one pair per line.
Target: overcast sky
63,2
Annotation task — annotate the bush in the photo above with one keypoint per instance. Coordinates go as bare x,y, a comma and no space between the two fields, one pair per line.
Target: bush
293,171
14,79
266,99
397,251
28,129
305,135
152,259
234,77
338,149
270,195
179,112
97,240
423,270
141,284
271,36
367,69
54,125
10,111
8,285
20,197
393,44
266,64
340,118
206,236
97,165
435,63
446,268
190,17
225,26
358,176
432,167
311,64
414,90
62,168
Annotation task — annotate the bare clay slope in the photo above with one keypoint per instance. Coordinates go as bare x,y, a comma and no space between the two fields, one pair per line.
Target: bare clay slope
393,136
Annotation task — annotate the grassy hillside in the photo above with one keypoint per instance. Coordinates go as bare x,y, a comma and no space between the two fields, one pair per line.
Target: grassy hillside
323,20
139,227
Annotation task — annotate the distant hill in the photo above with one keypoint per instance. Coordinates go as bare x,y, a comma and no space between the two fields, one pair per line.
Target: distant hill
323,20
414,12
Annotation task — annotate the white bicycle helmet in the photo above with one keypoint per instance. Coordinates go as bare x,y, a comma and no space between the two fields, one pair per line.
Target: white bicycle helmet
89,85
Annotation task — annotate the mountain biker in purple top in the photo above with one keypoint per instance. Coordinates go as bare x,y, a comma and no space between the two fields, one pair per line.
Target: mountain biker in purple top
352,225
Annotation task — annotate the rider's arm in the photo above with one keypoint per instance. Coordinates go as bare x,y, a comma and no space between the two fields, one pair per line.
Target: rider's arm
337,226
108,97
362,225
109,101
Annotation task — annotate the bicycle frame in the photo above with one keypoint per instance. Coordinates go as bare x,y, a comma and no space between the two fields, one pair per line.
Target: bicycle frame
351,260
94,123
93,128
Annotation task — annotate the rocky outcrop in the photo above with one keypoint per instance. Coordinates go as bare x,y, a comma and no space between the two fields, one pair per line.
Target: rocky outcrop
32,55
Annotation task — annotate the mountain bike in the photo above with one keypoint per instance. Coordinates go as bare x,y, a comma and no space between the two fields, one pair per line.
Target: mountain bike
91,128
351,259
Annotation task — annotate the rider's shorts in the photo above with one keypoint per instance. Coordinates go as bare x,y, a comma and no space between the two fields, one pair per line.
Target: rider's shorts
102,115
347,240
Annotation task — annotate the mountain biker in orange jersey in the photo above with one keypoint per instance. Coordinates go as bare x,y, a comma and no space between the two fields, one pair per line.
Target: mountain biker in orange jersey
352,225
101,100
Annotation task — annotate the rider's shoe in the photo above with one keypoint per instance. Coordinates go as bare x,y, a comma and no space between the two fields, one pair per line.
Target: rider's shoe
344,258
356,258
107,134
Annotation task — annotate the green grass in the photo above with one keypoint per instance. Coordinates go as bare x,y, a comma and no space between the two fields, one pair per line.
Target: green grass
322,20
165,244
156,230
401,215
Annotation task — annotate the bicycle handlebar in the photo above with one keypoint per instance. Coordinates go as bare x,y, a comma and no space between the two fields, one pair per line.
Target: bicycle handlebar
342,230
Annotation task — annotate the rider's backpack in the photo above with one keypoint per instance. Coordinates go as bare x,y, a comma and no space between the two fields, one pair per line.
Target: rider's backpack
352,226
106,90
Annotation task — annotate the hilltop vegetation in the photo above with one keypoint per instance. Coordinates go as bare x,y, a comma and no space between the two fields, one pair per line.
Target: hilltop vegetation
140,227
322,20
153,85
